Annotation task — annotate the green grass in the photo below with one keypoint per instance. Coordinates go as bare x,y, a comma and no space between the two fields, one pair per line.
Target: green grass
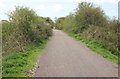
17,64
96,48
0,65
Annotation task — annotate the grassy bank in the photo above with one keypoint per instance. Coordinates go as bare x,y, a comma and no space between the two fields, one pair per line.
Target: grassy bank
17,64
96,48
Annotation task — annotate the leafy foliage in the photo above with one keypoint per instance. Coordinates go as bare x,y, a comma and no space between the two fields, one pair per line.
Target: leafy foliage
23,36
18,64
86,14
91,22
24,27
58,23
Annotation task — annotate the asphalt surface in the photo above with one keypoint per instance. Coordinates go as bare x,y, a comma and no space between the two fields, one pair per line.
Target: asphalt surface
66,57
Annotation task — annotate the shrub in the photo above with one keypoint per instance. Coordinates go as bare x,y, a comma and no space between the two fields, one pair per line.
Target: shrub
91,22
24,27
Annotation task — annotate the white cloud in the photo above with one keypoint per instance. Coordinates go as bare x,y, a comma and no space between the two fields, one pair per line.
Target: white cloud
48,8
5,9
40,7
76,1
58,7
113,2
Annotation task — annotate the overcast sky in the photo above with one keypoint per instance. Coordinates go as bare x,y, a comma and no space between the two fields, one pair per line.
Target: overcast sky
56,8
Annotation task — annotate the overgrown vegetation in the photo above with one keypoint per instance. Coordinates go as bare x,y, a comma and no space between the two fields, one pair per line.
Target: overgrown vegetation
19,63
91,23
23,37
23,28
58,23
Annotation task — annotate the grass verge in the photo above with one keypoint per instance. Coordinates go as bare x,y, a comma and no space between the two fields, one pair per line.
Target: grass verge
17,64
96,48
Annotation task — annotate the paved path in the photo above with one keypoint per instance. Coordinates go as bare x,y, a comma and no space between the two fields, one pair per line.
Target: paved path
66,57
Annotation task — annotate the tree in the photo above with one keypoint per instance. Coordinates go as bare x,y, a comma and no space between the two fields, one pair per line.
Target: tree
59,23
23,28
86,14
23,17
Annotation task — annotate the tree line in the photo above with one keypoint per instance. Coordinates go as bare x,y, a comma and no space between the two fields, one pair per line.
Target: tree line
25,27
91,22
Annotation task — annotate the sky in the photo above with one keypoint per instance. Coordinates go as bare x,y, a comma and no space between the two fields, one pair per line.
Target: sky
56,8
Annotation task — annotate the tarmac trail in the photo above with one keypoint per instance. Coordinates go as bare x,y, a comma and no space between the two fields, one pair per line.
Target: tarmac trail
66,57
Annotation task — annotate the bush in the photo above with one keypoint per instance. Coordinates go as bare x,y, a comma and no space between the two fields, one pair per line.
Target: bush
92,23
86,14
24,27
